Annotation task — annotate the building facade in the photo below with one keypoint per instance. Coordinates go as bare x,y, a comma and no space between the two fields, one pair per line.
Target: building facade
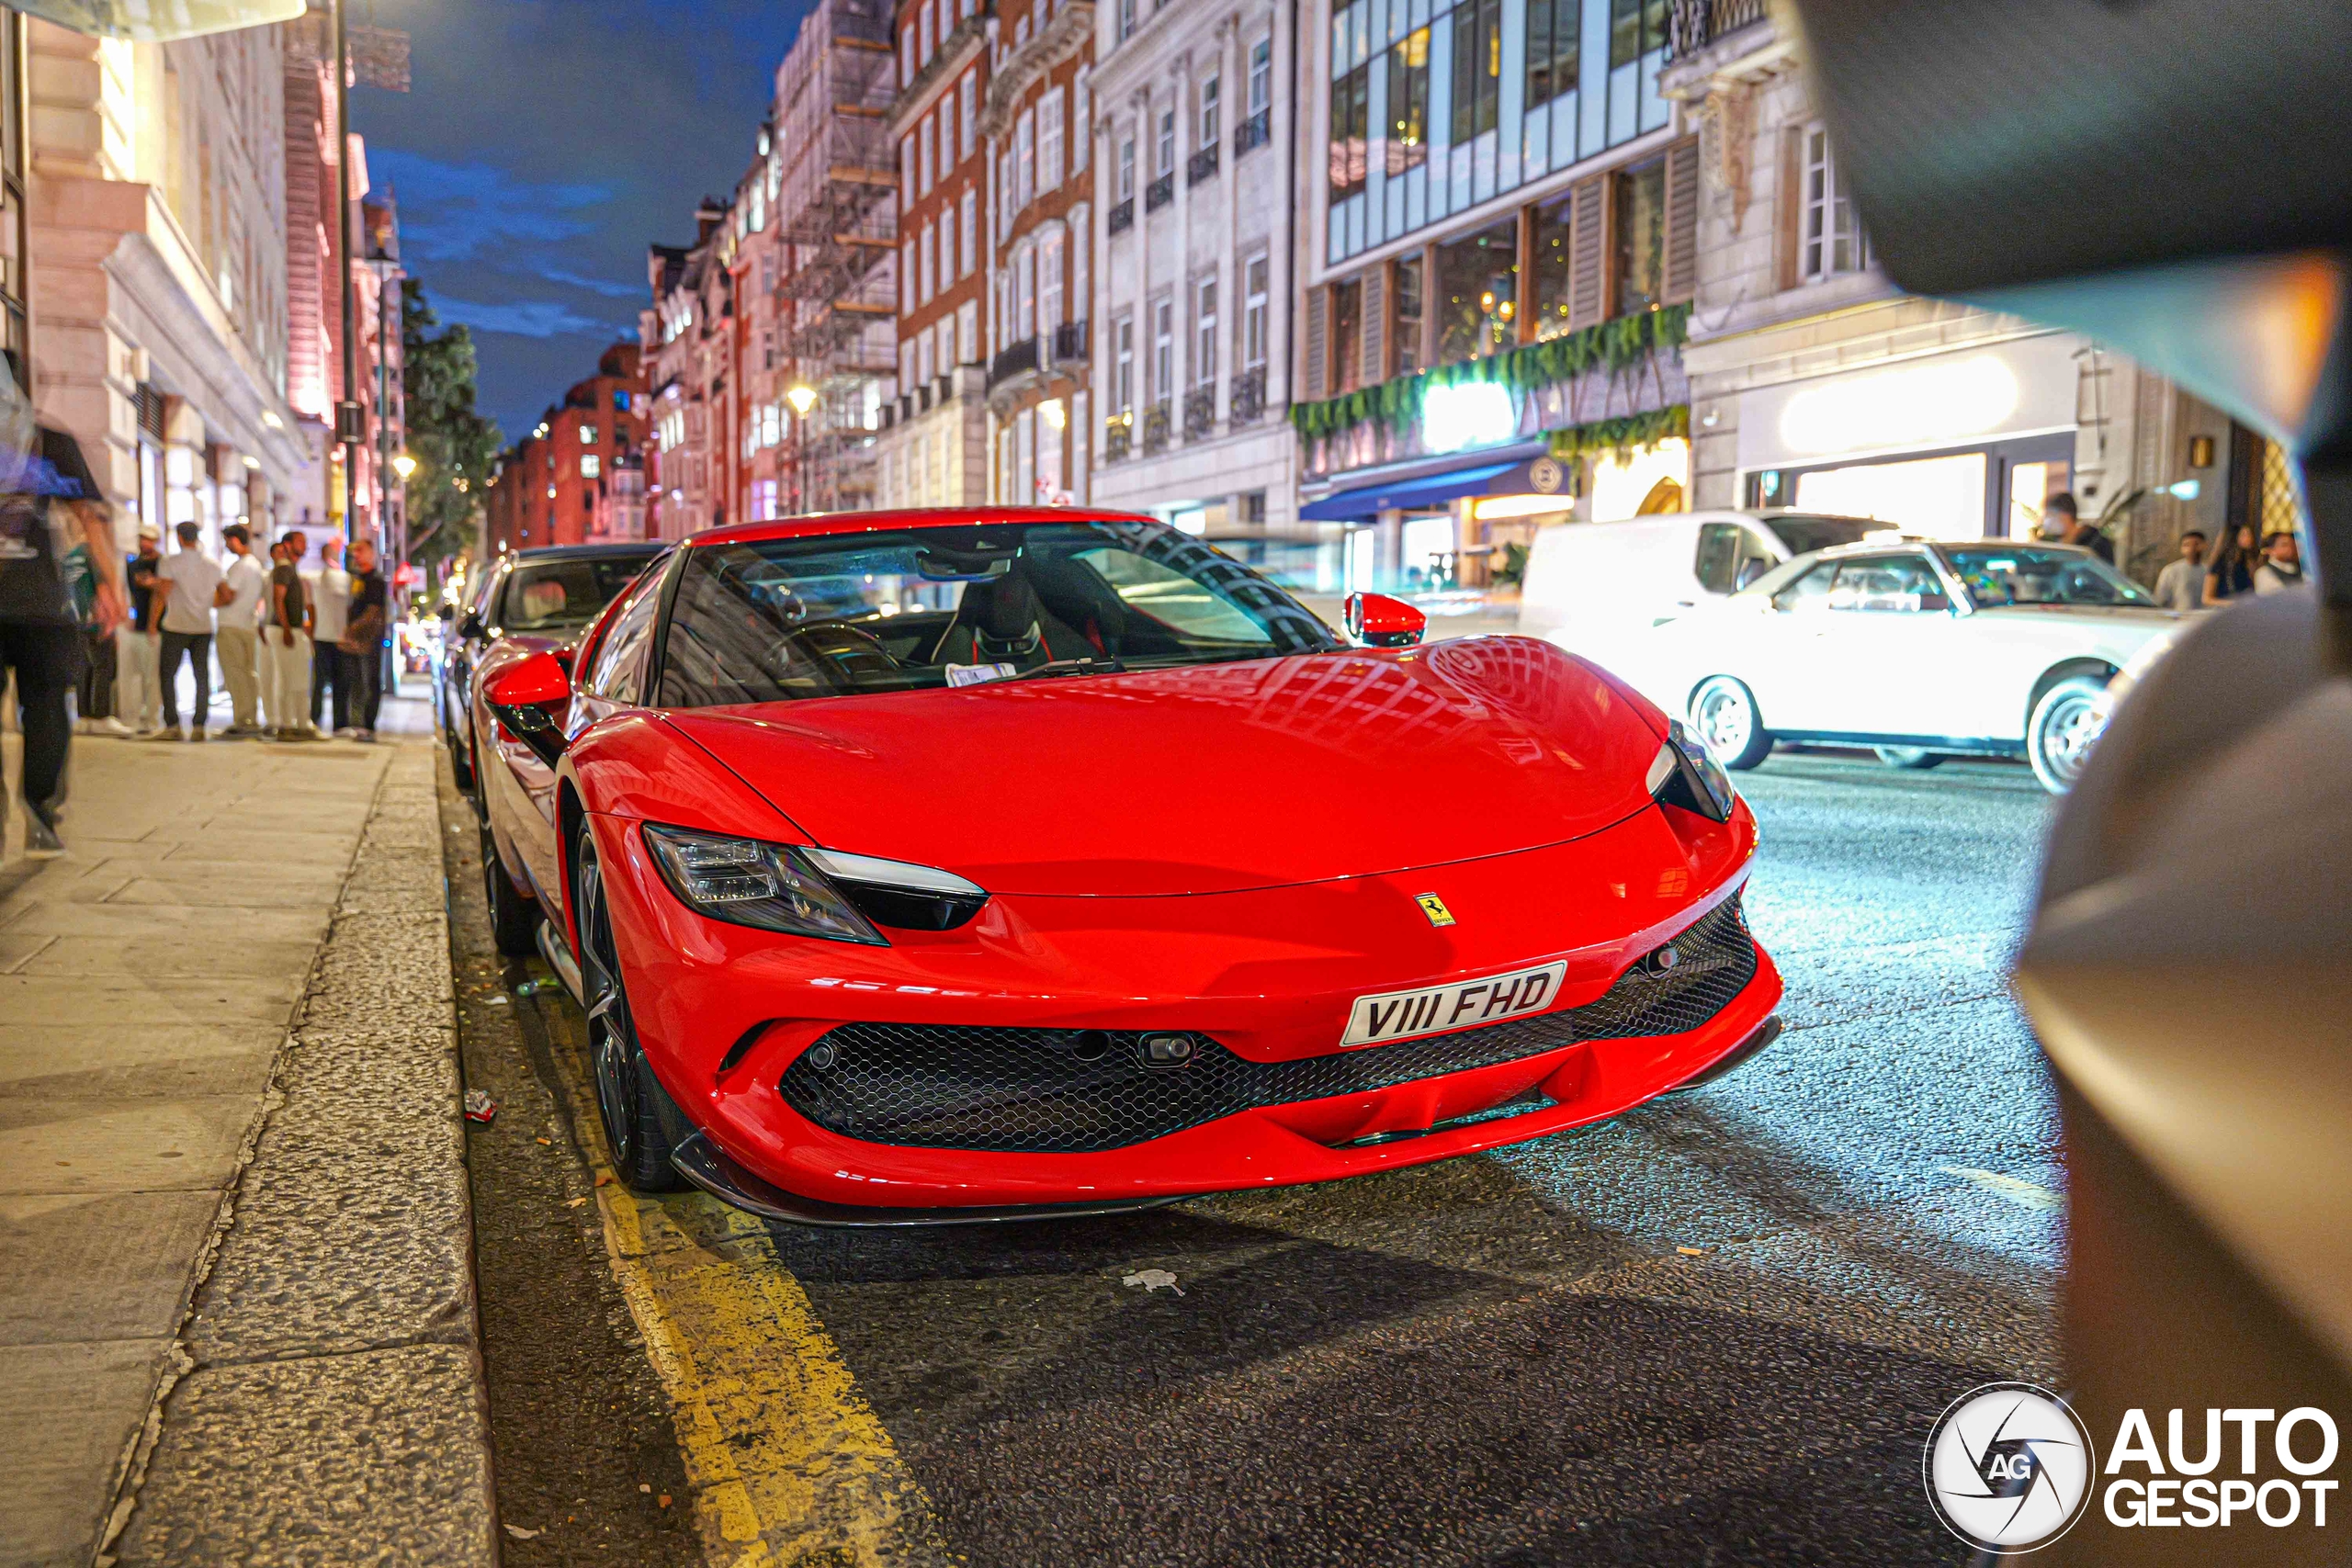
685,349
1196,225
1497,258
1040,250
934,449
579,477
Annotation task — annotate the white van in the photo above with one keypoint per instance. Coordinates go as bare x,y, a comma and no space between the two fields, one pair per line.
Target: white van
1591,586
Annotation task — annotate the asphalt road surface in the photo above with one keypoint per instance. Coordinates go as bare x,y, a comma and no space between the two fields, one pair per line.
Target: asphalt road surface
1713,1331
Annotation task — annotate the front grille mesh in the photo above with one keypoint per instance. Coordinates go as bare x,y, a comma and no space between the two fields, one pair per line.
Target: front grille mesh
1074,1090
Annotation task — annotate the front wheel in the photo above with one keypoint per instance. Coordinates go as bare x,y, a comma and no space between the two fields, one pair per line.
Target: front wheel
2058,737
1914,758
641,1125
1724,717
513,919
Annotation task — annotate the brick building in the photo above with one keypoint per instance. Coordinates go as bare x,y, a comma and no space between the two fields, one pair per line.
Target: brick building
579,477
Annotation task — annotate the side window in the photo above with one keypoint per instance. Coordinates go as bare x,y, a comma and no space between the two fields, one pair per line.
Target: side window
1718,556
1887,585
619,669
1810,591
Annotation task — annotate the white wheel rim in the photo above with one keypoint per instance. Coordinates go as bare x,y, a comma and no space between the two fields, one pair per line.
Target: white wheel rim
1724,721
2066,735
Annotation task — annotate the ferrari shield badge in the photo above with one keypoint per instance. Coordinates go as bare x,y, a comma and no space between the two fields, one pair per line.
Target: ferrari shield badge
1434,907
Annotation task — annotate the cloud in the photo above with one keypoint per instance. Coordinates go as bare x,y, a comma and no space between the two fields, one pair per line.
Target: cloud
626,288
528,318
459,211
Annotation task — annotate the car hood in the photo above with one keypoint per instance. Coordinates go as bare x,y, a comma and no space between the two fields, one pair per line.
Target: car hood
1209,778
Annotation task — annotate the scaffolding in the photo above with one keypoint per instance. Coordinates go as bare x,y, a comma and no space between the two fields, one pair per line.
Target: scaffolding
836,207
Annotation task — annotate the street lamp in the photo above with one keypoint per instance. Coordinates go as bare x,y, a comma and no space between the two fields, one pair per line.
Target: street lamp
403,465
802,398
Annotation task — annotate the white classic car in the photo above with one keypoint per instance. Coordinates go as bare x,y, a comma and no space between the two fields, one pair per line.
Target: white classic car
1920,650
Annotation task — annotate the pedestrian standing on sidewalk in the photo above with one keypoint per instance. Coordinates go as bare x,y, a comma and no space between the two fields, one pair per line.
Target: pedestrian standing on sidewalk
47,502
2230,574
191,588
94,692
238,645
2282,564
285,643
2060,509
362,640
330,595
2181,584
138,686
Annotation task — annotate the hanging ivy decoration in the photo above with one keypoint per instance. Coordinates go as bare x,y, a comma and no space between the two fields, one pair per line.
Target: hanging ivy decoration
1621,437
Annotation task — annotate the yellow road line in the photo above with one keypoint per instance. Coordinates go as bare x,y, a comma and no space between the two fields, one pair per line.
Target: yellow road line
2016,1190
788,1464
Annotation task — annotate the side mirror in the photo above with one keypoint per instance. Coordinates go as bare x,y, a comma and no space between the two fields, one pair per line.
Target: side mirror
472,628
518,696
1377,621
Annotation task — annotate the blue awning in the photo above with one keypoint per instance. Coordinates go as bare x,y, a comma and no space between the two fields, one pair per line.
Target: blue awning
1404,495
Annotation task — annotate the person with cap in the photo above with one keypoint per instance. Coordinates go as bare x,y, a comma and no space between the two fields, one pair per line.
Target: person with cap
138,682
49,503
238,644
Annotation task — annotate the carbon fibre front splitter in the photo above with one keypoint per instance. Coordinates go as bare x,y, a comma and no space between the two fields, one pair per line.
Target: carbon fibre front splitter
705,1164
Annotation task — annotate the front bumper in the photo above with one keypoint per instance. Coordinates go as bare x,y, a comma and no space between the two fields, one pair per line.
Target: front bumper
727,1014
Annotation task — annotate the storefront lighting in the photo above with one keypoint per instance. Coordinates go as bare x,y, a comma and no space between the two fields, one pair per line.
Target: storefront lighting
1495,508
1924,405
1052,412
1468,413
253,464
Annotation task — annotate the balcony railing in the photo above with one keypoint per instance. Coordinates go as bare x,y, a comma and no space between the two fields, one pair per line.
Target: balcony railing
1070,341
1155,429
1202,165
1118,436
1160,191
1123,216
1253,133
1249,395
1013,360
1200,412
1692,25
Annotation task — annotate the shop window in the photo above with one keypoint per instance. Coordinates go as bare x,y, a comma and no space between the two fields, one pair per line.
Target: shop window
1408,316
1834,241
1408,104
1477,67
1639,223
1554,29
1478,290
1347,336
1635,27
1351,131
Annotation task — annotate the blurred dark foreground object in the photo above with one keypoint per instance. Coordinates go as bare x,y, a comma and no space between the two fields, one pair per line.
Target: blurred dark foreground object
2174,179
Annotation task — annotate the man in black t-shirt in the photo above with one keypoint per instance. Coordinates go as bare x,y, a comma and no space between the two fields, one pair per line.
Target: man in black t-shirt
138,665
48,501
363,639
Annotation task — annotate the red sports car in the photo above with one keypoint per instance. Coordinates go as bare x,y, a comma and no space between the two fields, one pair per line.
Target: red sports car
933,866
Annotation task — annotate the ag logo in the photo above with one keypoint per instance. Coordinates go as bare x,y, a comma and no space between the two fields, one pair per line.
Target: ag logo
1434,907
1545,476
2008,1467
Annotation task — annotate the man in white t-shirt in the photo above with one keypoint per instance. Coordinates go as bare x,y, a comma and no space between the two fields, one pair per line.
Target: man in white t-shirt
193,591
238,643
330,588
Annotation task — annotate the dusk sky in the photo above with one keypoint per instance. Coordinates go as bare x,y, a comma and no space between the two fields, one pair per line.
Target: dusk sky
544,144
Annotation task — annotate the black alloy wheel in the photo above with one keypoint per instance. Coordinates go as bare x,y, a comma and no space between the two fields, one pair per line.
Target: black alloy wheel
513,919
641,1127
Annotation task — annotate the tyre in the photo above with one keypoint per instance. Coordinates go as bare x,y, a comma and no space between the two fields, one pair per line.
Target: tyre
1915,757
642,1126
513,919
462,757
2058,737
1724,717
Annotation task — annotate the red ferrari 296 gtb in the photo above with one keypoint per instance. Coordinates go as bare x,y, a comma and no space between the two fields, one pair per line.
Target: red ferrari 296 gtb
933,866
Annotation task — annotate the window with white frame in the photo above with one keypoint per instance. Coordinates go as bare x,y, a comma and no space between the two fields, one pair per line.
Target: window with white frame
1024,159
925,39
1254,277
906,174
1167,142
1024,308
1126,168
1123,365
1005,196
1163,350
1024,458
1049,284
1000,316
1262,75
1004,465
907,55
1833,241
925,366
947,273
968,234
968,113
1049,139
926,165
907,364
967,333
907,278
1209,122
1205,333
1127,20
927,258
587,435
942,336
1052,417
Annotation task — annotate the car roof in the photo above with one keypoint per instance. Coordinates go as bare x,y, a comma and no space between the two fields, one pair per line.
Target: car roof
609,550
1877,547
820,523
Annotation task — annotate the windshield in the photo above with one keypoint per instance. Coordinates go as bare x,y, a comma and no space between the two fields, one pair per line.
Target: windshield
2032,574
558,596
1802,534
914,608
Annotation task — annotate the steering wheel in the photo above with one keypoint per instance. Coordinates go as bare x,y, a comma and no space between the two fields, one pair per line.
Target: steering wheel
843,652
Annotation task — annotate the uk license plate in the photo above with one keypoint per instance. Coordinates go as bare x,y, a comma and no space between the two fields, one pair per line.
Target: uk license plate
1440,1009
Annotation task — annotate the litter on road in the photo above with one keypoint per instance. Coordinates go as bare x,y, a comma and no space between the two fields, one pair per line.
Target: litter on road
480,1107
519,1533
1153,1280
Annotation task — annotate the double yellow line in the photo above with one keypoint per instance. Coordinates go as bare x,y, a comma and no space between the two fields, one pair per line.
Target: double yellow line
788,1463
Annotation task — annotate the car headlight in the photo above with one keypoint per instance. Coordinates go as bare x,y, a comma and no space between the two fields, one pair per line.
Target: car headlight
1685,773
748,882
